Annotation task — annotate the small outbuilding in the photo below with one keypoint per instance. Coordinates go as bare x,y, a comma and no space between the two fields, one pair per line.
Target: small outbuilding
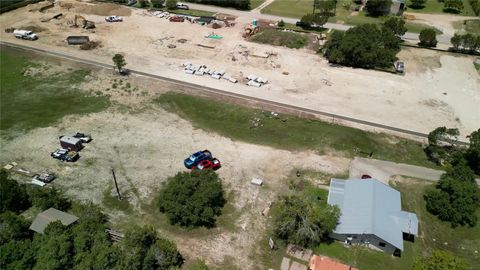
71,143
51,215
77,40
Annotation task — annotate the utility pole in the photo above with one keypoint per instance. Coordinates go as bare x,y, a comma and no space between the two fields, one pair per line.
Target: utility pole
116,185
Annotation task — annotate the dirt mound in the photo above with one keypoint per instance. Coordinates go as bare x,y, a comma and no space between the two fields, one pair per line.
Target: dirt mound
103,9
33,28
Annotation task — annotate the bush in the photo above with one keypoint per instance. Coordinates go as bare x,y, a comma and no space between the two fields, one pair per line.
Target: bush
281,23
192,199
428,38
378,7
456,196
475,4
453,6
171,4
304,222
363,46
45,198
13,196
440,260
417,3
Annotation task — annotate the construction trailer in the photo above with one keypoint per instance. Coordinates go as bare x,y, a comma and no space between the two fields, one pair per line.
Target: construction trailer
77,40
71,143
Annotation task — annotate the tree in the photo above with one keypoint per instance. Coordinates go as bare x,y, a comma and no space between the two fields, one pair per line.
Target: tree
17,254
192,199
303,222
417,3
13,196
456,196
143,3
364,46
396,25
469,42
13,227
45,198
378,7
456,41
55,249
143,249
316,18
441,145
171,4
428,38
326,8
157,3
453,6
440,260
473,153
119,61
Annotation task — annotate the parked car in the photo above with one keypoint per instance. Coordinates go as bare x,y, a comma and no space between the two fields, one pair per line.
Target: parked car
366,176
303,24
399,67
114,19
182,6
65,155
196,158
176,19
86,138
213,164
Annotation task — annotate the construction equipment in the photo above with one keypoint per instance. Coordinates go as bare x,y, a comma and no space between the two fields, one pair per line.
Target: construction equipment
25,34
86,24
250,30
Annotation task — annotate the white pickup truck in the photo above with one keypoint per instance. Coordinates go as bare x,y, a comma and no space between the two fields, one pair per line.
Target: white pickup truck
25,34
114,19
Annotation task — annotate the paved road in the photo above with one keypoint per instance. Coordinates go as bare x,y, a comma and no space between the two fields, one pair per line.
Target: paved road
383,170
442,39
249,99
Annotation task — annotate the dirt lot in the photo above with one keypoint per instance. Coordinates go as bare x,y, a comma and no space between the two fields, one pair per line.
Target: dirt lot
145,146
438,89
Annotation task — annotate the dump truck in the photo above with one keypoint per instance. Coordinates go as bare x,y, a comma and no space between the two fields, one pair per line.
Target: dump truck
25,34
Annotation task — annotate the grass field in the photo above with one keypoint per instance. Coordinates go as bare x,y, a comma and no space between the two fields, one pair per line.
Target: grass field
461,241
27,102
436,7
255,3
288,132
280,38
468,26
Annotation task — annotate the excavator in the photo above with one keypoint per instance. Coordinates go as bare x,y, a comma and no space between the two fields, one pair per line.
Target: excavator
84,22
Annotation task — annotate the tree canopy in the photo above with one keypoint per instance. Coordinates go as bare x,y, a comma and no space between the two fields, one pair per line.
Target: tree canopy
378,7
428,38
304,222
440,260
396,25
456,197
119,61
365,46
13,196
192,198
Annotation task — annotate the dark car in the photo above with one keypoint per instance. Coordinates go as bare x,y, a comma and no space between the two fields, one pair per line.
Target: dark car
196,158
303,24
65,155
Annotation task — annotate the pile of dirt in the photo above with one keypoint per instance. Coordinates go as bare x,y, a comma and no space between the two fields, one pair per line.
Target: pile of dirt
33,28
103,9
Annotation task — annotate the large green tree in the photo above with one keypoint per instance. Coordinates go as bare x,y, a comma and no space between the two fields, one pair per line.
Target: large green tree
473,153
365,46
13,227
396,25
192,198
428,38
441,146
378,7
456,197
47,197
13,196
304,222
440,260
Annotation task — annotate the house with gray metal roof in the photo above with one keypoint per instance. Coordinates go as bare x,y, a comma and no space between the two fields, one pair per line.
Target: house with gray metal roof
50,215
371,215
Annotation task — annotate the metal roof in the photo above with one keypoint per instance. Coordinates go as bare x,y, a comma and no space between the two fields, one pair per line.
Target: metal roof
50,215
370,207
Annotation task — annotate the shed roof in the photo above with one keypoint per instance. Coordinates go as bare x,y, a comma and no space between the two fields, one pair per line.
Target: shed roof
327,263
370,207
50,215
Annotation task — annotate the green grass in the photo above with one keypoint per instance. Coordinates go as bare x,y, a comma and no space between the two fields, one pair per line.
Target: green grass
192,12
255,3
468,26
418,27
28,102
289,8
436,7
280,38
289,132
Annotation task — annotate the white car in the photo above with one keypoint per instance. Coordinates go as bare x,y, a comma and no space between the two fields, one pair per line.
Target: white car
182,6
114,19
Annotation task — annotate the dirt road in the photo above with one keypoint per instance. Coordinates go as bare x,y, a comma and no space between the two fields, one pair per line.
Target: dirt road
384,170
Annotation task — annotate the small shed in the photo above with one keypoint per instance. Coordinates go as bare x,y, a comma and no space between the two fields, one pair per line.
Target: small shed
77,40
51,215
71,143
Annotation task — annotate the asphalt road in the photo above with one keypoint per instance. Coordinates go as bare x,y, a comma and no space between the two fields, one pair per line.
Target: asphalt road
442,39
195,87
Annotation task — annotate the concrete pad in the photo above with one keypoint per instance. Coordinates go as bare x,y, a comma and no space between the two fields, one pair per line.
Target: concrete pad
285,264
298,266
